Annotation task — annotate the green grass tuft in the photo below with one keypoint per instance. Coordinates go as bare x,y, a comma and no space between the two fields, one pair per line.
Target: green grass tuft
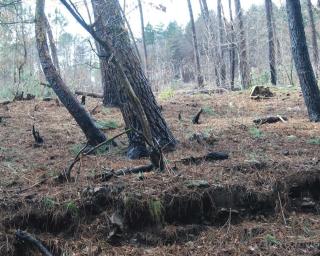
166,94
255,132
107,124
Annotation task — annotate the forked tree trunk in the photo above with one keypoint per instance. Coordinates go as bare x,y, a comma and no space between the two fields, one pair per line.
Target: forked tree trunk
195,47
222,64
314,40
53,48
271,41
111,26
242,44
232,48
82,117
302,61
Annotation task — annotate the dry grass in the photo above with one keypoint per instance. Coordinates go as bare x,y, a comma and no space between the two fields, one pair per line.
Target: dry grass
281,149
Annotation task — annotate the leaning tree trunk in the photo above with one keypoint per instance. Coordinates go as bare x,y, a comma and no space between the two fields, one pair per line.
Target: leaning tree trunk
271,40
195,46
302,61
93,134
244,67
314,40
110,25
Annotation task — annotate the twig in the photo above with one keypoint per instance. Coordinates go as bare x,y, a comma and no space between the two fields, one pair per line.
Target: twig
281,208
67,174
24,236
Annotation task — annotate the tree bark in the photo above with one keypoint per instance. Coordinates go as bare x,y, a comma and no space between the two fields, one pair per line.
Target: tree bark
222,64
195,47
112,24
92,133
232,49
211,37
53,48
271,41
302,61
242,44
314,40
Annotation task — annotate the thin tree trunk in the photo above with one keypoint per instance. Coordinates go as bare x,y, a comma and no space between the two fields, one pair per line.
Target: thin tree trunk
244,67
143,37
211,38
195,46
302,61
315,49
53,48
222,64
232,50
271,40
82,117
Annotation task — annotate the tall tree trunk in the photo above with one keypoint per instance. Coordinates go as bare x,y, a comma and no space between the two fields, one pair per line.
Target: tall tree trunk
232,49
111,24
244,65
195,46
222,64
302,61
271,40
315,49
211,38
143,37
92,133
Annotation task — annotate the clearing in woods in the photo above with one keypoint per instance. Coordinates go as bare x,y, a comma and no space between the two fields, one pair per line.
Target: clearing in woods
262,200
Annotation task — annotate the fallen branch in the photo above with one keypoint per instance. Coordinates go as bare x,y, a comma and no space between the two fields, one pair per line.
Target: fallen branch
6,102
195,119
89,94
107,175
66,175
26,237
212,156
270,120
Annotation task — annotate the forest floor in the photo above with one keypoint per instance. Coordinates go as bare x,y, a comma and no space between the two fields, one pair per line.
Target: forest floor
263,200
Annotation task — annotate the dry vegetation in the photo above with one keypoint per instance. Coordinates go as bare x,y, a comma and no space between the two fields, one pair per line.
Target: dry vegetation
229,207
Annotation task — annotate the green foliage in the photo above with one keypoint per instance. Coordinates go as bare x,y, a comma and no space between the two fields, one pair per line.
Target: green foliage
75,148
166,94
48,203
107,124
292,138
156,210
208,110
314,141
72,208
150,34
272,240
255,132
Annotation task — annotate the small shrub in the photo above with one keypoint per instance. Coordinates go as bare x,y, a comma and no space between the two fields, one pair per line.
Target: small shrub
255,132
166,94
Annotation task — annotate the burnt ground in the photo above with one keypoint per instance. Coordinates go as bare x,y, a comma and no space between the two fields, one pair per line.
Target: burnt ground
263,200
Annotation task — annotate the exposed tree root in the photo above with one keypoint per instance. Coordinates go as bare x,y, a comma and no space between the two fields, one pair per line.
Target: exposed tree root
26,237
